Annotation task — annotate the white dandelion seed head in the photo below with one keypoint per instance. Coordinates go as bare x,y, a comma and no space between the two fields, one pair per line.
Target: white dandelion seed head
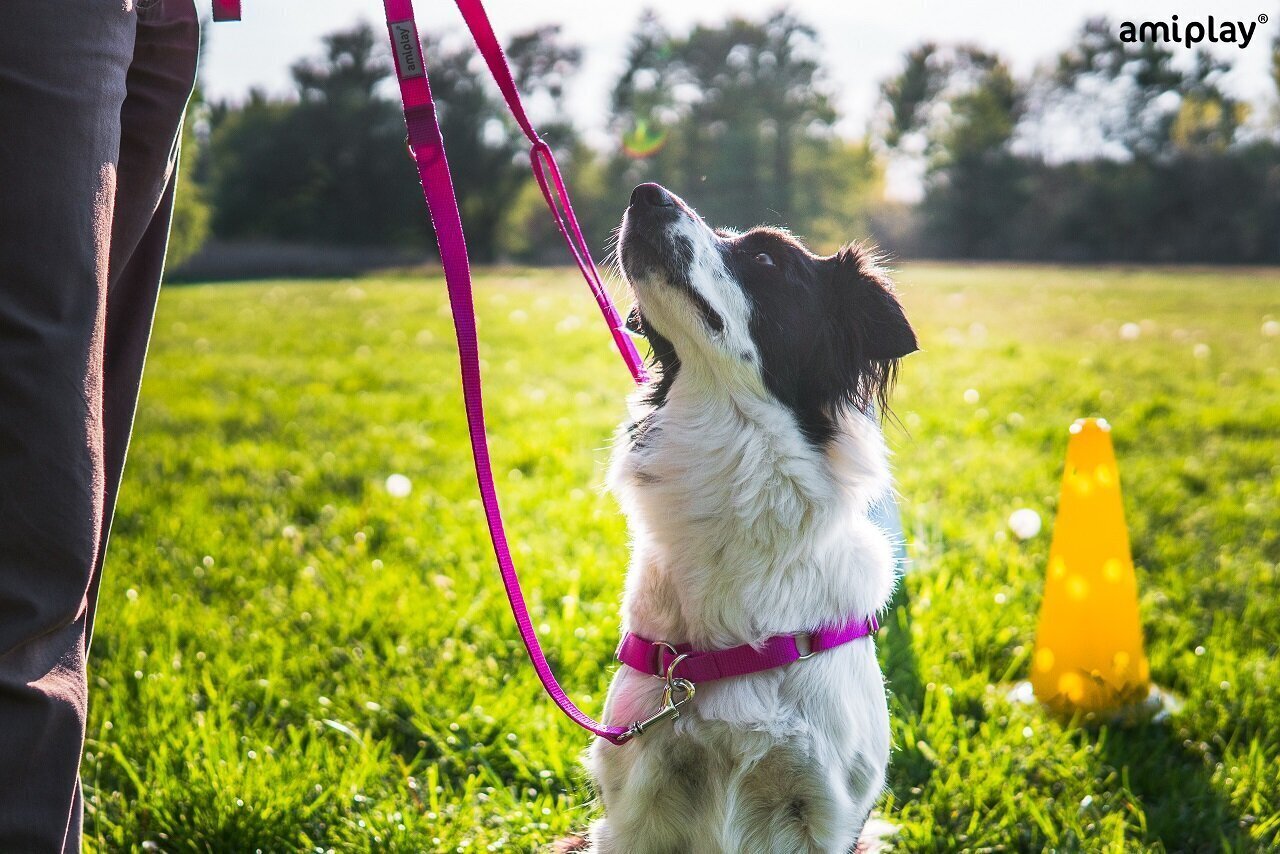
1025,523
398,486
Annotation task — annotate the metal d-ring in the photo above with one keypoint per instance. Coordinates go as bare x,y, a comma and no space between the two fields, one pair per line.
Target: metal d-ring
657,664
808,636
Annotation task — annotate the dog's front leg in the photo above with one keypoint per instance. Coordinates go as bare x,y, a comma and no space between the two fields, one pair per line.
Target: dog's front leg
656,791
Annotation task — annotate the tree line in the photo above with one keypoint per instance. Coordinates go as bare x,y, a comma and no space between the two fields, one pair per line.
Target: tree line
1174,168
1111,151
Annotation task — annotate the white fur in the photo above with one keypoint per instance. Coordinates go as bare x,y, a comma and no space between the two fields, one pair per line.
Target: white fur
742,529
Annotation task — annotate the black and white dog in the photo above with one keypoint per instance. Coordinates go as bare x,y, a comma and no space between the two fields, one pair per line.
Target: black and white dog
747,484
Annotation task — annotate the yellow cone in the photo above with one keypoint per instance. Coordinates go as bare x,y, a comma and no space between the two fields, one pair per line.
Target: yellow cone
1089,655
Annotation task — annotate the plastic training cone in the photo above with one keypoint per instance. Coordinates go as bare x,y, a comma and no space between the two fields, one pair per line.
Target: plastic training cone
1089,655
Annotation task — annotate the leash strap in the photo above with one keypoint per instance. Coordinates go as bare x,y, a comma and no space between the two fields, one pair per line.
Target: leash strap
543,164
226,10
555,192
428,154
658,658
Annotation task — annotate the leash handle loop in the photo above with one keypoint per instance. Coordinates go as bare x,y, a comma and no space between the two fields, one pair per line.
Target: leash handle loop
540,156
427,146
543,161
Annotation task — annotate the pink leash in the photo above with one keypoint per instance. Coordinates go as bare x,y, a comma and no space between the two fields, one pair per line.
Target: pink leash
428,153
683,667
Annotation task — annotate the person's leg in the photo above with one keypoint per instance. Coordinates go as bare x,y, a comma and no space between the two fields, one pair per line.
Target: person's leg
160,82
62,85
61,459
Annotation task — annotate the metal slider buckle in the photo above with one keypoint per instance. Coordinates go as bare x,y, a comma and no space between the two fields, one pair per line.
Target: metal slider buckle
808,645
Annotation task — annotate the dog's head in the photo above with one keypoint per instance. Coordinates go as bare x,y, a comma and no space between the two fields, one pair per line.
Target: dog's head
819,334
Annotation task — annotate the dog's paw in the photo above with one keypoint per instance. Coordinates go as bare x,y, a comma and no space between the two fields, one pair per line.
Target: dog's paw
570,844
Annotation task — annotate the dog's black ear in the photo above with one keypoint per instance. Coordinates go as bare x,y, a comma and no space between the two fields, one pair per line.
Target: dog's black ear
867,294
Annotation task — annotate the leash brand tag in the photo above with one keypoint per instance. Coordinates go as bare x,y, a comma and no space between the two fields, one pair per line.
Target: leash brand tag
404,35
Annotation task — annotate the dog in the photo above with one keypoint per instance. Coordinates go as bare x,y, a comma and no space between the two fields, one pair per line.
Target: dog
746,482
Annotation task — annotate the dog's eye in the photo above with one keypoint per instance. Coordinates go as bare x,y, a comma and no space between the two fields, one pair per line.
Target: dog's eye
764,259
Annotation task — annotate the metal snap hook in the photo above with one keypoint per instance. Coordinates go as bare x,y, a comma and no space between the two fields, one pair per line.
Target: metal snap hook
670,705
673,682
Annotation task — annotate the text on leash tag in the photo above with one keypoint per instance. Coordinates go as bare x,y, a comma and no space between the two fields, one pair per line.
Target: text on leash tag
405,38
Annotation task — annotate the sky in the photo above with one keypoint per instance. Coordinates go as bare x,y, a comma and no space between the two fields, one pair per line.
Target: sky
863,43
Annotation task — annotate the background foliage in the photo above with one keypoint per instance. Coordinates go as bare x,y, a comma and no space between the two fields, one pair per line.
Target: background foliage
1165,164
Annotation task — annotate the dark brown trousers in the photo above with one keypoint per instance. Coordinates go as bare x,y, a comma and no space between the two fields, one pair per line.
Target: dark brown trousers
92,94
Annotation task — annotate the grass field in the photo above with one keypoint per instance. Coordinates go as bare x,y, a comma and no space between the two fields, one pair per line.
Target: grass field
290,658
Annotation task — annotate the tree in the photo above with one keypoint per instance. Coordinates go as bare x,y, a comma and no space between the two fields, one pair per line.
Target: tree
1275,61
1139,101
1207,118
960,107
728,114
1275,77
347,75
190,225
330,168
761,93
910,92
542,62
644,92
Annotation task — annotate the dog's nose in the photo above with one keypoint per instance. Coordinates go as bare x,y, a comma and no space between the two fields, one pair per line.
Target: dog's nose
651,195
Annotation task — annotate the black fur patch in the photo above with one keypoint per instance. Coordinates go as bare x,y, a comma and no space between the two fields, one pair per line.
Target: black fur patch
830,331
663,361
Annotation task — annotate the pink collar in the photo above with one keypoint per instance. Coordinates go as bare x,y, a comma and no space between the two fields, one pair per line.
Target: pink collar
658,657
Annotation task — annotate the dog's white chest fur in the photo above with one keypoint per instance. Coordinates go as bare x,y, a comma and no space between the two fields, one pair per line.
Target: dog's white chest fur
742,529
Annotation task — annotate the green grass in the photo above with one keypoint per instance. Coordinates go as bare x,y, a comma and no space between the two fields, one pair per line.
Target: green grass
288,658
